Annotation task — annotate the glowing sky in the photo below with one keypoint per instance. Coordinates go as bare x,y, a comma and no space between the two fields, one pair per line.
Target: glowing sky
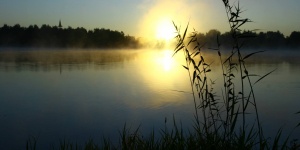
139,17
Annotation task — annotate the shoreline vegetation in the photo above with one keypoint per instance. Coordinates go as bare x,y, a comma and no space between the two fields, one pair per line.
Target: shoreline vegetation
57,37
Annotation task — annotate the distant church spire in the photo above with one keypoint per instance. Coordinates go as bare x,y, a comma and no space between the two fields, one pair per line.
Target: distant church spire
59,25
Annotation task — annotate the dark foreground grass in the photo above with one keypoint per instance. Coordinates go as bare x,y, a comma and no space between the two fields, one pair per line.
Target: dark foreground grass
221,121
171,139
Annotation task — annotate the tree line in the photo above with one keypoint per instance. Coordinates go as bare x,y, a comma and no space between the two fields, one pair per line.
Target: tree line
251,39
56,37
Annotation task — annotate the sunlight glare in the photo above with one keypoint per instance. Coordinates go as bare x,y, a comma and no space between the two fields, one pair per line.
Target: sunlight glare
166,60
156,25
165,30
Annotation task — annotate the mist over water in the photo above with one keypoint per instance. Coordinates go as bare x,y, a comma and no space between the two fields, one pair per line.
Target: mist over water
81,94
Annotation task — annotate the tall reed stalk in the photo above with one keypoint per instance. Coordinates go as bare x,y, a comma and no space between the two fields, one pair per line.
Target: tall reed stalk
222,117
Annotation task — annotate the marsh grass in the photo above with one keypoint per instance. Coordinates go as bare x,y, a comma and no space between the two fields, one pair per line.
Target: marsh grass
169,139
229,120
226,117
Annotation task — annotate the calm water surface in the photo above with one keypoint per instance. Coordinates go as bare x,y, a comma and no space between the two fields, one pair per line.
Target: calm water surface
77,95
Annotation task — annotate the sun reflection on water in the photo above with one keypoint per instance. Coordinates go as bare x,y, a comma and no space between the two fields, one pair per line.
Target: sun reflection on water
162,73
166,60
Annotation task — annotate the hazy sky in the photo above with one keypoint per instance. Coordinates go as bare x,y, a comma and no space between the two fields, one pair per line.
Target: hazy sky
140,17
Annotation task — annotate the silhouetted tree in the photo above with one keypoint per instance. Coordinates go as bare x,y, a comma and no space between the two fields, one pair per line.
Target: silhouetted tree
293,41
48,36
252,40
274,39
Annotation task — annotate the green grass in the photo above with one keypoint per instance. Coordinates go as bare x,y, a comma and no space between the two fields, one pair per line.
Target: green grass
221,121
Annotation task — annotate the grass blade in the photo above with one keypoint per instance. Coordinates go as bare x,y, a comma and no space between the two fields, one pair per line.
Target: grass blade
264,76
184,34
252,54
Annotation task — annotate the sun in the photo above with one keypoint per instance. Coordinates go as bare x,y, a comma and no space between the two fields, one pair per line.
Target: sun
165,30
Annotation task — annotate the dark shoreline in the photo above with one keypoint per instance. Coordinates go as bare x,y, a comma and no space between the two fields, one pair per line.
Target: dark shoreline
56,37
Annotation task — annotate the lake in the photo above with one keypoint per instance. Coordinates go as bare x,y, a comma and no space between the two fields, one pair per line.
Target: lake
75,95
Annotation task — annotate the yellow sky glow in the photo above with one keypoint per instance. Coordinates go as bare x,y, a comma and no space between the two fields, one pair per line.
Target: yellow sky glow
165,30
157,24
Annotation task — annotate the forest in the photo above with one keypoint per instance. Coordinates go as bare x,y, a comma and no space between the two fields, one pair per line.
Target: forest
57,37
251,40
